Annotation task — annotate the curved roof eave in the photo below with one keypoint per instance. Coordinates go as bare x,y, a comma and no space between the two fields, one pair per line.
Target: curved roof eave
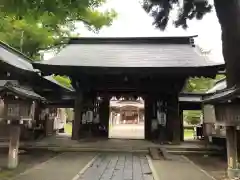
14,58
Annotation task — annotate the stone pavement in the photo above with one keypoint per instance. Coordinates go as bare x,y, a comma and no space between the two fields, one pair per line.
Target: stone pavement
179,168
114,166
63,167
118,166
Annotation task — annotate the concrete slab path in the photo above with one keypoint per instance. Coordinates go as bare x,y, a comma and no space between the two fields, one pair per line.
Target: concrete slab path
62,167
179,168
114,166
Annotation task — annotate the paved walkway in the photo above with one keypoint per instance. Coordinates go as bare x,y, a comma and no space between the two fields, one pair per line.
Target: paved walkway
179,168
63,167
115,166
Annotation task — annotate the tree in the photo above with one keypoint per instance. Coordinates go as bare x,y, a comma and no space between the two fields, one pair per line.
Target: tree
64,80
228,13
26,37
31,26
192,117
201,84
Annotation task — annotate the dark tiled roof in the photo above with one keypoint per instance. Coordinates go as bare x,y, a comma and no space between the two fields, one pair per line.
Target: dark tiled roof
14,58
131,52
21,91
2,83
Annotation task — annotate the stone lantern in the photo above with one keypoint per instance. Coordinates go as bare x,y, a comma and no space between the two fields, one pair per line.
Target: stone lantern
18,110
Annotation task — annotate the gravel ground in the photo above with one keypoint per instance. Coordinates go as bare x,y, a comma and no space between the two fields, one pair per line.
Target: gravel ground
216,166
26,160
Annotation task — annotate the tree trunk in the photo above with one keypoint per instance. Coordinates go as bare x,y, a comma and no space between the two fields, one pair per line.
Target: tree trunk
228,13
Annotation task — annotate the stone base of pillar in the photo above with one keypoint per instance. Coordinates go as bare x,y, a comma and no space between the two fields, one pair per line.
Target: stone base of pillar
233,173
176,142
13,147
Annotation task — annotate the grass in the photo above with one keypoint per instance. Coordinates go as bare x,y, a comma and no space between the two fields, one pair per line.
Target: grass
68,128
188,133
6,174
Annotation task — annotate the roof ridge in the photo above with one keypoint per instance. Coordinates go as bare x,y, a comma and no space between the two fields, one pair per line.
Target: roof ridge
22,59
132,40
8,47
221,80
227,89
10,86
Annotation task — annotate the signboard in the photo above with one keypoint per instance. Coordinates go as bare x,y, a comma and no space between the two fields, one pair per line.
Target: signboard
161,116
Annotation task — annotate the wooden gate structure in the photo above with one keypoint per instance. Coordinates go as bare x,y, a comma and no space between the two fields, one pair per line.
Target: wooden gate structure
155,68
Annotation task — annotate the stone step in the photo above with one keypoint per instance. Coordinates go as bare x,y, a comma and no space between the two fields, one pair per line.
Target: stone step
85,149
181,152
194,148
156,154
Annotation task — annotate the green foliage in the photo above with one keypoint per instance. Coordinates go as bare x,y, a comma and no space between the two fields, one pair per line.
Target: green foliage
70,114
64,80
192,117
220,76
34,25
199,85
27,37
187,9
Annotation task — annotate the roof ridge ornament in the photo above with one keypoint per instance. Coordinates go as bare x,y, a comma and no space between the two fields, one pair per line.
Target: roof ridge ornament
191,41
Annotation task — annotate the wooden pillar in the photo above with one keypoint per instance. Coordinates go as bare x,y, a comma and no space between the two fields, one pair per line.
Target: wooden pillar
231,137
13,146
181,124
77,116
37,113
173,120
104,112
138,120
148,117
238,143
49,123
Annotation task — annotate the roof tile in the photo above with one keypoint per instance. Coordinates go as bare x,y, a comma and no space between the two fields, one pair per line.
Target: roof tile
130,55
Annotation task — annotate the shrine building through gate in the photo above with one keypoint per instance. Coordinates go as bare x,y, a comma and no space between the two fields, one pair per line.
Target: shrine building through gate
154,68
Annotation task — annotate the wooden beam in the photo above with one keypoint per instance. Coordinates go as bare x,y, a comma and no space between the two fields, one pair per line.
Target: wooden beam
173,120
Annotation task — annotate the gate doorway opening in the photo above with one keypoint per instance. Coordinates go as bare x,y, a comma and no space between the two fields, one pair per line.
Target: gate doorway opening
126,120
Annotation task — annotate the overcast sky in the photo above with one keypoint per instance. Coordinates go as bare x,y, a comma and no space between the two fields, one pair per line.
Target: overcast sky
132,20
